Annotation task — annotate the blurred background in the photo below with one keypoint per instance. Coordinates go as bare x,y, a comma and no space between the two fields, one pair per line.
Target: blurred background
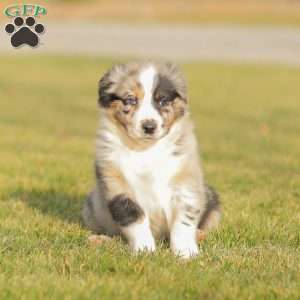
222,30
283,12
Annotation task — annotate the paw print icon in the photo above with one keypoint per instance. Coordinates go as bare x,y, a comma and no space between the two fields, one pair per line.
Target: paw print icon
24,33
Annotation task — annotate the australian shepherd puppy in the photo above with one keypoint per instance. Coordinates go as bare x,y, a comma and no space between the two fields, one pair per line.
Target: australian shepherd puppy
149,181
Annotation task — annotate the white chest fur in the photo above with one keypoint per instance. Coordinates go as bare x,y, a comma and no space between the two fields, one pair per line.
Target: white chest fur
148,174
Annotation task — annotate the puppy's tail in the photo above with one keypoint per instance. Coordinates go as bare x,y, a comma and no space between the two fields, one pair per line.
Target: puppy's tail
212,215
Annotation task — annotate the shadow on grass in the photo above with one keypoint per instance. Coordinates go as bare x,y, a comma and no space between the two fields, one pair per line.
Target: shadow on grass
55,203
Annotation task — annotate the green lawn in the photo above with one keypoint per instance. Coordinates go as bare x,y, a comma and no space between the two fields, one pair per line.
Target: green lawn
248,122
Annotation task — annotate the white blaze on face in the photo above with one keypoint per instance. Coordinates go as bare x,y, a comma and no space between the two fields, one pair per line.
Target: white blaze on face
147,111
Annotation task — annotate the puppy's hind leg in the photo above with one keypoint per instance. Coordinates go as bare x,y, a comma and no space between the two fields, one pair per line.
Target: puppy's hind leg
87,213
212,215
96,216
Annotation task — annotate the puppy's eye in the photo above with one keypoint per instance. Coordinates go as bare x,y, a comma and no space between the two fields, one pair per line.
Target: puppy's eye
163,101
130,100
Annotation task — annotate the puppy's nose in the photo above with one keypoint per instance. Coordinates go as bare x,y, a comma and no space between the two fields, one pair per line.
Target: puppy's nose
149,126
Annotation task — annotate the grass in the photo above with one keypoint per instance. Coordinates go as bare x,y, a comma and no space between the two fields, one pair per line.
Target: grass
247,119
241,12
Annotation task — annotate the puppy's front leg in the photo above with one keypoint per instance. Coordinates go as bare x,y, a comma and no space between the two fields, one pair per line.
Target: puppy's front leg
133,222
125,211
187,213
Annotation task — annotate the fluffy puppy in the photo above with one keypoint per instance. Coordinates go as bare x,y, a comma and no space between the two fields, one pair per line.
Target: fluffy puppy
149,181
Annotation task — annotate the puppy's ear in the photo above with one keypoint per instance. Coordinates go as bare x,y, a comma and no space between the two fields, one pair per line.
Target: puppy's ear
174,74
104,96
107,85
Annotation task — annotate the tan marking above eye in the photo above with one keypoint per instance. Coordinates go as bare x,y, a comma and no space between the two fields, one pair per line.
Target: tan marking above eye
138,91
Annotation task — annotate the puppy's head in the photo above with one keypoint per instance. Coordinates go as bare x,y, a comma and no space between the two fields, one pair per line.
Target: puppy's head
145,99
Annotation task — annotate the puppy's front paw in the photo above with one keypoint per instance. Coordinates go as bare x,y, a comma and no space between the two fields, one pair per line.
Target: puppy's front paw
143,244
139,236
186,250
